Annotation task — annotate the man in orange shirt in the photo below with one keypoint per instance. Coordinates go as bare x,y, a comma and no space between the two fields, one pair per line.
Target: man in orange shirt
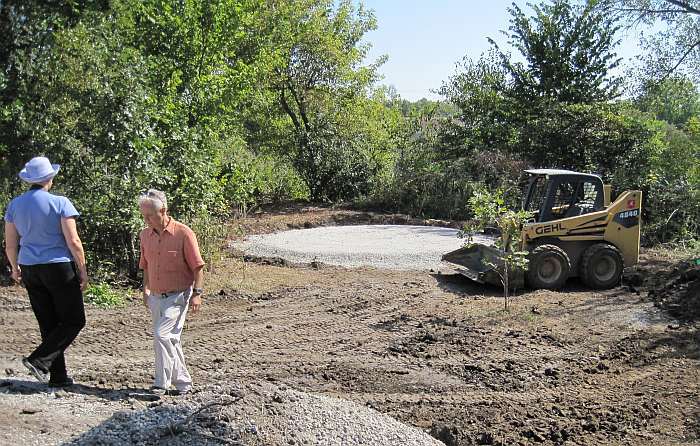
172,282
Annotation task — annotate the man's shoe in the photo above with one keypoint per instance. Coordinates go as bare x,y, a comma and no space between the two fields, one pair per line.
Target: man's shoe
39,374
181,392
158,390
63,383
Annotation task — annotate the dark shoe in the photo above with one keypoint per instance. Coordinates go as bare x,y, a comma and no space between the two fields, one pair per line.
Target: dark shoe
178,392
67,382
39,374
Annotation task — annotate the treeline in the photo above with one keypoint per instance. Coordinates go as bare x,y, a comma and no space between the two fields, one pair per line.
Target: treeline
557,103
226,104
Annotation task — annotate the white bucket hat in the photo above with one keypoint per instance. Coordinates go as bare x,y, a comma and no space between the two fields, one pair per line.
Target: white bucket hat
38,170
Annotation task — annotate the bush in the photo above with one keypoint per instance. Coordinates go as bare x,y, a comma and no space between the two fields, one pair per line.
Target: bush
248,180
674,210
424,185
211,235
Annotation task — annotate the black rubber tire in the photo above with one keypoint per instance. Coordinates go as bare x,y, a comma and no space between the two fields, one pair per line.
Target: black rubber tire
548,267
601,266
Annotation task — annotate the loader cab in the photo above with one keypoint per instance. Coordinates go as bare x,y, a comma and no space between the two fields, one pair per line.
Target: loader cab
553,194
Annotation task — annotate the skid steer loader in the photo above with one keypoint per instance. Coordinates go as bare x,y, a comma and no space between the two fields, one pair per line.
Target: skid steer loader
575,231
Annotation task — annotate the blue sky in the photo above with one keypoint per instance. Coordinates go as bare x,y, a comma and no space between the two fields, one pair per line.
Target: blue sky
425,38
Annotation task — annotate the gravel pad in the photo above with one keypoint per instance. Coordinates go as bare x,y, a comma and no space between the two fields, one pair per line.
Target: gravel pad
399,247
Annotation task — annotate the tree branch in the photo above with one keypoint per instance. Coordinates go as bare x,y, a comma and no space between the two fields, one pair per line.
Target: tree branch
300,105
651,11
685,6
173,429
205,23
680,61
288,109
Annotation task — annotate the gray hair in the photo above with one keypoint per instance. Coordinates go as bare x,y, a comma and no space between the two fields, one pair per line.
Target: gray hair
156,199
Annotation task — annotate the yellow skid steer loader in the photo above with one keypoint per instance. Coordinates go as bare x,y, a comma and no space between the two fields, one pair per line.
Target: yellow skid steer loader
575,231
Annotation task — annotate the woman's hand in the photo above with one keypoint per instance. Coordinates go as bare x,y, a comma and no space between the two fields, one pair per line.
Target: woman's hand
83,276
17,274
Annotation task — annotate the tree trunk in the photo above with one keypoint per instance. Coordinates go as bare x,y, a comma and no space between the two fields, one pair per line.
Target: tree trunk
506,285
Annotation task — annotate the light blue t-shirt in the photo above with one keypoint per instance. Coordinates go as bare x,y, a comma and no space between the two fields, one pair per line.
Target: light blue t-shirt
37,216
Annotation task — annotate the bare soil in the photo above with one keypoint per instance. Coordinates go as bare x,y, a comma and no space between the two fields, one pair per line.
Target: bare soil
432,350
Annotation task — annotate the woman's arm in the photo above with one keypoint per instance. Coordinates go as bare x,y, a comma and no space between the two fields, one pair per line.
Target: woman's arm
70,233
12,249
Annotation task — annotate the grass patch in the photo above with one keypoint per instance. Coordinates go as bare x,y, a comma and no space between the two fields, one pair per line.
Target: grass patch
103,296
676,251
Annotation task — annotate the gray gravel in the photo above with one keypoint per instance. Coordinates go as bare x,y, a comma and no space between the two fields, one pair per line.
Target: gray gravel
253,414
38,415
257,414
324,421
381,246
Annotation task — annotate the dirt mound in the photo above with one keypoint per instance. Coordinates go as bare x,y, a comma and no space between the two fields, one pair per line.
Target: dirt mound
676,290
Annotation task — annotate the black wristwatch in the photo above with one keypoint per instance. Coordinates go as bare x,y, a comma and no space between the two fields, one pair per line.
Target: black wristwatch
197,291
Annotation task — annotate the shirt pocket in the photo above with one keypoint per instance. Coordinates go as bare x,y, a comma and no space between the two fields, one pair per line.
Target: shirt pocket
172,261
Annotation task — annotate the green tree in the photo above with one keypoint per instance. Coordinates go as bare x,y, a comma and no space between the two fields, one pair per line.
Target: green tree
202,64
94,121
480,92
674,99
490,209
27,35
568,52
585,137
320,77
670,109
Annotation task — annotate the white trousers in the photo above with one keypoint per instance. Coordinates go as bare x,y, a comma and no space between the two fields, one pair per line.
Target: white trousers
168,320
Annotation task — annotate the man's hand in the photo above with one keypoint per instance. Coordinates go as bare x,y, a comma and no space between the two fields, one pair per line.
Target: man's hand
146,293
196,302
16,274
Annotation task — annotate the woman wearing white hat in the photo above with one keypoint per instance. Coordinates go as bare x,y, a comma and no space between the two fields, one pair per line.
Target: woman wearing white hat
46,254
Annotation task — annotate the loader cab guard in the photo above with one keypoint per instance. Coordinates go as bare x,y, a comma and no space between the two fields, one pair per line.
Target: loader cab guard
553,194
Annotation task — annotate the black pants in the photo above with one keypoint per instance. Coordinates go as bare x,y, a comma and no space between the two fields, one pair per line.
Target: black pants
55,296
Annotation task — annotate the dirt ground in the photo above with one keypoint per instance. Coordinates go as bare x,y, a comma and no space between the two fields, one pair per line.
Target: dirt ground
432,350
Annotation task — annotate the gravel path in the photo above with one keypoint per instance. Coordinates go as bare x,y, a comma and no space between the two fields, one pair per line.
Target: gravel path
399,247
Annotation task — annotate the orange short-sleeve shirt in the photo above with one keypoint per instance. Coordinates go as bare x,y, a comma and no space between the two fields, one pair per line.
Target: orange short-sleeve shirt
170,258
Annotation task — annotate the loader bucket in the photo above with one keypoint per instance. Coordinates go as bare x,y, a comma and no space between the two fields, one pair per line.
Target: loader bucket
475,262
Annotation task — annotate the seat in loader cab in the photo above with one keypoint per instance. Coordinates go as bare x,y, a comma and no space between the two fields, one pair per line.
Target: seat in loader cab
553,194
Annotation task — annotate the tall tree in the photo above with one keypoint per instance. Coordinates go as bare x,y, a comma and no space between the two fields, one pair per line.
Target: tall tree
27,36
319,78
568,52
553,109
673,49
480,91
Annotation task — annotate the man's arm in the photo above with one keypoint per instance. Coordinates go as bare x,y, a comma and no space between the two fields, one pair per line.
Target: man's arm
196,301
12,249
143,265
196,265
146,290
